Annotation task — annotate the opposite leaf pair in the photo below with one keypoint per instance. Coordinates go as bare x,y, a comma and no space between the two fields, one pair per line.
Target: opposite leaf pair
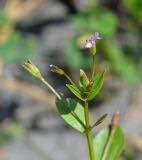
73,113
88,89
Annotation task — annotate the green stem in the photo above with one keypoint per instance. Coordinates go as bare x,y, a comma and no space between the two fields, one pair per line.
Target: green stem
93,69
88,133
69,79
51,88
58,96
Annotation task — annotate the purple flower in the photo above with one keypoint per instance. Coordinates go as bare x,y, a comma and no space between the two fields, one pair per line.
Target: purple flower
91,40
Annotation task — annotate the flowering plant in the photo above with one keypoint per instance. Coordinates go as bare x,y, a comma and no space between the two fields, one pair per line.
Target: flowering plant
108,144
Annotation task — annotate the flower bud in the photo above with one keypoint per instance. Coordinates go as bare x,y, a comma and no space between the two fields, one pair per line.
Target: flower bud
84,81
56,69
31,68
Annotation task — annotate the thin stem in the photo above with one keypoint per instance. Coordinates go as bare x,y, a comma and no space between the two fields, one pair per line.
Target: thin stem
69,79
51,88
93,69
88,132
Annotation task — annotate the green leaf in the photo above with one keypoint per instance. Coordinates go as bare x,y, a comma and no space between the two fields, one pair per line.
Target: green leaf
83,81
75,91
70,111
109,143
98,83
100,120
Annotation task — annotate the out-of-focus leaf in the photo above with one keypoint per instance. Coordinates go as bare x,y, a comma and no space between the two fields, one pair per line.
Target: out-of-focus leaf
109,143
75,58
98,20
68,110
4,20
12,131
119,63
16,48
78,20
134,7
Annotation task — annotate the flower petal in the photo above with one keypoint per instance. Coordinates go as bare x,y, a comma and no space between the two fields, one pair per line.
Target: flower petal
88,45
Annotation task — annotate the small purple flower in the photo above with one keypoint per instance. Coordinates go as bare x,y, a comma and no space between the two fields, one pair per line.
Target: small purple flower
91,40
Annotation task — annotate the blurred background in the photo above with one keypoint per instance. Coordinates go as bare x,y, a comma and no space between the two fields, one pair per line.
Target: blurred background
53,32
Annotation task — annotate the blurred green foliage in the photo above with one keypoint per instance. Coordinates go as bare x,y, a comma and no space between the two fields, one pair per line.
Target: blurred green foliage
135,9
75,57
12,131
120,29
15,46
129,153
4,19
